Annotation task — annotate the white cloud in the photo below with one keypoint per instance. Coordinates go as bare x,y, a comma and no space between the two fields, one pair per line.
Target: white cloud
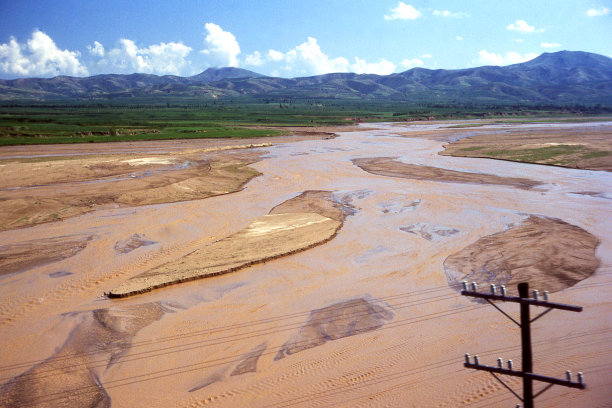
311,60
602,11
39,57
382,67
550,45
222,46
450,14
161,59
411,63
522,27
518,40
426,56
97,49
511,57
459,38
308,59
275,55
254,59
403,12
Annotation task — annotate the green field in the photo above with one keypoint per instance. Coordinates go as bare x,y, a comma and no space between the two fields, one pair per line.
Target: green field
144,120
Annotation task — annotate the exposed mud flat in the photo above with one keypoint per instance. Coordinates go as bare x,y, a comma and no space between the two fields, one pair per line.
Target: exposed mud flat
597,194
102,338
399,206
548,253
60,274
249,364
334,322
430,232
132,243
29,254
291,227
389,166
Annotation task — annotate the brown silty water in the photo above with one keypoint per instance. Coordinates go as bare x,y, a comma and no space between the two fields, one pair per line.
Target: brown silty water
368,318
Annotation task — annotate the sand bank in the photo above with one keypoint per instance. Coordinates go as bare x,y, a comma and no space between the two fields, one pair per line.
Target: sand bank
548,253
288,229
389,166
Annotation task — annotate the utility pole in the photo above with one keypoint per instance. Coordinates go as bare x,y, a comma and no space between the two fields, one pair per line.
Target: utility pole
526,372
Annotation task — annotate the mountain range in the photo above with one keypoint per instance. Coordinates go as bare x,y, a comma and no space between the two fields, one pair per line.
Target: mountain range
560,78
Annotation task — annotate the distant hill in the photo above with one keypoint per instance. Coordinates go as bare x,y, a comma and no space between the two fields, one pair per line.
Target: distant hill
219,74
561,78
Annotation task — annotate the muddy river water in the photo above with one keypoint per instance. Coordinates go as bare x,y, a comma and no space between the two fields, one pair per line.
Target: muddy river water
365,319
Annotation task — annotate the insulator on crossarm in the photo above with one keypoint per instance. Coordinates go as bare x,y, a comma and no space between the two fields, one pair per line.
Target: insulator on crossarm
500,363
503,290
546,295
568,374
509,364
536,294
580,377
493,288
464,284
476,360
474,286
467,358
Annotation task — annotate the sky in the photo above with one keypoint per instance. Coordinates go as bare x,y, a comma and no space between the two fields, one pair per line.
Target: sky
290,38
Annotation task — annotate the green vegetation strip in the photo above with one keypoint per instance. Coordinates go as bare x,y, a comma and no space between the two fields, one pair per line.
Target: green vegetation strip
143,119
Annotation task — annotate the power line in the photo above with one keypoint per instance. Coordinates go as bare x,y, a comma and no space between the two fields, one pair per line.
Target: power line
231,359
241,336
216,330
526,372
257,333
237,358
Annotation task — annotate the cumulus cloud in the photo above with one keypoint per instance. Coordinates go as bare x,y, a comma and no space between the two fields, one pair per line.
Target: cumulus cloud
511,57
602,11
403,12
459,38
309,56
161,59
97,49
522,27
412,63
382,67
40,56
254,59
450,14
222,46
426,56
550,45
275,55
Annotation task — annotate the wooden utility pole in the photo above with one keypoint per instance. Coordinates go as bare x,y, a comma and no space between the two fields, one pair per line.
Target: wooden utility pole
526,372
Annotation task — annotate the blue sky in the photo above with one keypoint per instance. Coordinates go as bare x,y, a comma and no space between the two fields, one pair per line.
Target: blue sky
290,38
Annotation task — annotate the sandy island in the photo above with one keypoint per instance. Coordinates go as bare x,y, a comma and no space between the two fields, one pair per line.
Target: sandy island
289,228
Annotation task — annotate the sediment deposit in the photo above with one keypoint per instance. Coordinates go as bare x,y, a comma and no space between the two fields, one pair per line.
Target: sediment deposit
388,166
548,253
365,317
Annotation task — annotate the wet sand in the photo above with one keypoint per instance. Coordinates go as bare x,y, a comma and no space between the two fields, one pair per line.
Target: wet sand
367,318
